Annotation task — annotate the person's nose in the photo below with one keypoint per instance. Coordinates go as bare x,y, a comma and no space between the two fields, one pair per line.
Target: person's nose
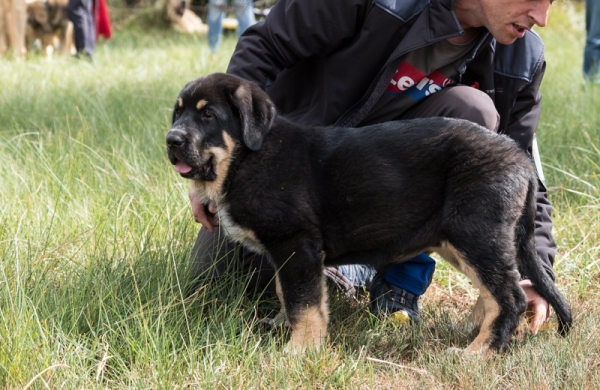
539,14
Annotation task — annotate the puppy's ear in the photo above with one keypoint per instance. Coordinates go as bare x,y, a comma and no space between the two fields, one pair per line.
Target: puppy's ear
257,112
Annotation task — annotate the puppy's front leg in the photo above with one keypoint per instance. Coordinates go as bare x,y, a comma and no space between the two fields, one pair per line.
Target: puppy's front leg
303,292
280,318
309,321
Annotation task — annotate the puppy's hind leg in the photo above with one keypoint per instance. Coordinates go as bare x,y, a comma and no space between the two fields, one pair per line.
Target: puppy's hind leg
474,319
492,270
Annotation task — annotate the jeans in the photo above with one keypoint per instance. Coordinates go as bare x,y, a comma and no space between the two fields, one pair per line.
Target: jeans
244,11
591,53
81,13
413,275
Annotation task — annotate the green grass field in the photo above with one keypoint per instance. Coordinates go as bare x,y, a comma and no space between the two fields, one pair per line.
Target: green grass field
96,230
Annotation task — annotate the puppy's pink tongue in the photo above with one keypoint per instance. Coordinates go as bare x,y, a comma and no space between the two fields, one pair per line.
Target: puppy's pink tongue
182,167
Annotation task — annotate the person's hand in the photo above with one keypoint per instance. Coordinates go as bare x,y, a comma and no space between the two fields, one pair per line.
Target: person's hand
204,214
538,309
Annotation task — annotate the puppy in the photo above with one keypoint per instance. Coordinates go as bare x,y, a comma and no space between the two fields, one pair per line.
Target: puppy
314,196
48,21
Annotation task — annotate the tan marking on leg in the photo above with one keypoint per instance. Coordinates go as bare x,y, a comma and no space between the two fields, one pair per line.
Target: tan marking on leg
490,307
201,104
311,329
474,319
491,310
281,318
281,315
279,292
446,254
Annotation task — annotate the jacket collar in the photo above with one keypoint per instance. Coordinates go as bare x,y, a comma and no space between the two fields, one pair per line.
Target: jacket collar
436,22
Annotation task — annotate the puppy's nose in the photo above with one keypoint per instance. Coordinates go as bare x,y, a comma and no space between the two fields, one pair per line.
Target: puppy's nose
175,140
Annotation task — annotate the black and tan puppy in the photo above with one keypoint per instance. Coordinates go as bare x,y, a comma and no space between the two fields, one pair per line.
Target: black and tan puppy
313,196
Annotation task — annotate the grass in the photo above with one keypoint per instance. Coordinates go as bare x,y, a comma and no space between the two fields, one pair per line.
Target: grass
95,235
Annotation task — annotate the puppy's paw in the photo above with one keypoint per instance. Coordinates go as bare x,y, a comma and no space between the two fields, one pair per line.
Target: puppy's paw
294,350
455,351
465,327
465,353
521,331
279,320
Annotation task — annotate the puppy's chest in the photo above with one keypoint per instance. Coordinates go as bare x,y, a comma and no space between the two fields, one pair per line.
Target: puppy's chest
238,233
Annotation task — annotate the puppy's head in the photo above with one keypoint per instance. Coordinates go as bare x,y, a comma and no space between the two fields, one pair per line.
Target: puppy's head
213,115
37,16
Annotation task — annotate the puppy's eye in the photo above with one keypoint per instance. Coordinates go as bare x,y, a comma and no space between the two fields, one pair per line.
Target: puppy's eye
207,114
176,113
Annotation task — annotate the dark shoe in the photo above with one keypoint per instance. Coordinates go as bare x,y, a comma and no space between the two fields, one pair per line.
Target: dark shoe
393,301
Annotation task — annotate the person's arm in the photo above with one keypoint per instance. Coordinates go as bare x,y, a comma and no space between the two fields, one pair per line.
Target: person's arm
521,127
294,30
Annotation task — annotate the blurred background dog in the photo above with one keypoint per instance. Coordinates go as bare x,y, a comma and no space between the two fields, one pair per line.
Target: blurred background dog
48,23
182,18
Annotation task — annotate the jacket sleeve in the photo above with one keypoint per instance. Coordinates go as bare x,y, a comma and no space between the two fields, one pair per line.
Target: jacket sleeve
294,30
521,127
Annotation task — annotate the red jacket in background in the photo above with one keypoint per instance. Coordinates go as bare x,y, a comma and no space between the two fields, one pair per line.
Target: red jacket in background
103,26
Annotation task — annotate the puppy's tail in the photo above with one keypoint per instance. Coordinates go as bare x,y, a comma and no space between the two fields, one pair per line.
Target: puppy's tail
531,266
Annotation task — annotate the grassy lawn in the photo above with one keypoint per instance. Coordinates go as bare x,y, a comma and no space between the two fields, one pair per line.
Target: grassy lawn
96,231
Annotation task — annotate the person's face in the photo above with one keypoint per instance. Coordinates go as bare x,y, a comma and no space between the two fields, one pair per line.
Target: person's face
508,20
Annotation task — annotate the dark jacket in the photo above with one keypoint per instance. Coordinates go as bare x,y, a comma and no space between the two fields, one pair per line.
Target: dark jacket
328,62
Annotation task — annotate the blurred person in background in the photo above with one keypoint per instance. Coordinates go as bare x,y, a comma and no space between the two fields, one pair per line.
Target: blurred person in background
90,20
244,12
81,13
591,53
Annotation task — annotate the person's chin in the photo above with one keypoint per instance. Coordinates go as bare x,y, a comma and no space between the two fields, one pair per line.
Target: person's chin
510,34
506,39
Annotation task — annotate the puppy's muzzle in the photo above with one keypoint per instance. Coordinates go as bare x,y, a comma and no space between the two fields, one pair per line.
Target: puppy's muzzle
175,140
